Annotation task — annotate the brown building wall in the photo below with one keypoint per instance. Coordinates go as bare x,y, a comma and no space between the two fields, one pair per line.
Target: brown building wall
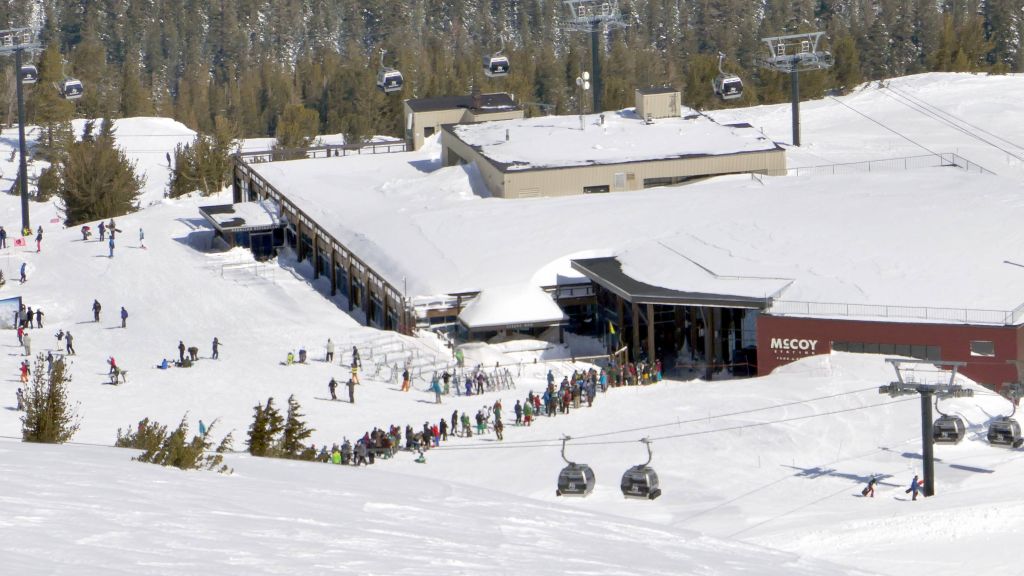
794,338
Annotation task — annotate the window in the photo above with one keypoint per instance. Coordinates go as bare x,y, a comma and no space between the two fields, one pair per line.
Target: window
596,189
428,131
983,348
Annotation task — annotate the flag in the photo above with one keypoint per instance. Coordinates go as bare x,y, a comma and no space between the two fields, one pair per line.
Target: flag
611,328
19,241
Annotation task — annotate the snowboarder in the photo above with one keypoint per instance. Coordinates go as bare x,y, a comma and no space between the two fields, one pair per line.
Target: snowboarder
23,277
39,318
69,341
332,386
124,317
216,346
330,351
103,231
915,487
351,391
96,310
869,490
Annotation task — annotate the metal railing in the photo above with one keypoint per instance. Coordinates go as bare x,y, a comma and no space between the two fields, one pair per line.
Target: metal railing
323,151
948,315
945,159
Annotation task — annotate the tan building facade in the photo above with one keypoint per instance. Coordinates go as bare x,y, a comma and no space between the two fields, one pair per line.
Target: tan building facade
425,116
654,103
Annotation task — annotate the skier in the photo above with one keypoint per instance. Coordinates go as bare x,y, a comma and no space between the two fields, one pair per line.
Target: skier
443,429
436,387
20,394
869,490
351,391
528,413
330,351
21,335
346,452
142,237
405,380
355,373
193,353
69,341
103,231
3,237
39,240
290,358
202,428
518,409
467,430
27,343
355,358
39,318
124,317
915,486
85,233
110,243
29,317
216,346
181,352
332,386
23,277
24,371
499,428
113,365
96,310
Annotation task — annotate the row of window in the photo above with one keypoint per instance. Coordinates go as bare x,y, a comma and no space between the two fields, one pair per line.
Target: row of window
985,348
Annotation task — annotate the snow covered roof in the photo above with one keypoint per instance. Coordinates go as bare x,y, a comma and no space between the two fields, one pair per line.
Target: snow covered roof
495,102
500,306
242,215
558,141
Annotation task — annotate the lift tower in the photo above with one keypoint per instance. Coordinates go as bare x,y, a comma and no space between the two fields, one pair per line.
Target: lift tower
791,55
16,41
595,17
904,385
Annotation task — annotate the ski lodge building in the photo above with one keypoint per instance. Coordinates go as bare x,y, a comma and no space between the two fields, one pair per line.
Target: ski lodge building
511,231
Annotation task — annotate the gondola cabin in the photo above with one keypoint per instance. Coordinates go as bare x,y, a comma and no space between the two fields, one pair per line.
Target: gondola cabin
575,480
728,87
496,66
948,430
29,74
1005,432
71,89
640,482
389,80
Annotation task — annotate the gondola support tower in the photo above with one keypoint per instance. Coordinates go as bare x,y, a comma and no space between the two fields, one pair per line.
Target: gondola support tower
791,55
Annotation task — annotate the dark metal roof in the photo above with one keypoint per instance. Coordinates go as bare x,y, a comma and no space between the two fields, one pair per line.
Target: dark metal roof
656,90
497,102
607,272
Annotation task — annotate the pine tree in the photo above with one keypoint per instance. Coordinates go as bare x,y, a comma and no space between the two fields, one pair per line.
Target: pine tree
295,431
265,430
49,417
296,129
97,178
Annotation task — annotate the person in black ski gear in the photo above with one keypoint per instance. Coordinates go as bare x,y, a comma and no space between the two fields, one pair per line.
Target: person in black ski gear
443,428
30,318
351,391
124,317
869,490
181,351
455,422
39,318
355,358
69,341
216,348
518,408
96,310
332,386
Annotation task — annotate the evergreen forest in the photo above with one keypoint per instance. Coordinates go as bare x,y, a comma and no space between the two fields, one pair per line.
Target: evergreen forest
251,63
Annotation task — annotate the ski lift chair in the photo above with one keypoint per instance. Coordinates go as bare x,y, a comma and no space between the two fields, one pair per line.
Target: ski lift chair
948,430
71,89
389,80
641,481
496,65
29,74
575,479
1005,431
726,86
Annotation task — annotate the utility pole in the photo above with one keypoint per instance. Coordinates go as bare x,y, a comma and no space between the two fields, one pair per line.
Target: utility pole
15,41
594,17
928,392
791,55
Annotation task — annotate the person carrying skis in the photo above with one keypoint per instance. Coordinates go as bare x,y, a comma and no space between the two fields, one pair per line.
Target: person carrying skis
96,310
332,386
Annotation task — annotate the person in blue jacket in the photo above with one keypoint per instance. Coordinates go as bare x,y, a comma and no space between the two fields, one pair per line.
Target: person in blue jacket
915,486
435,386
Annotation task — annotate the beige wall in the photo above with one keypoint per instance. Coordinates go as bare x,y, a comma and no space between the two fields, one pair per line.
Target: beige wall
571,181
436,118
665,105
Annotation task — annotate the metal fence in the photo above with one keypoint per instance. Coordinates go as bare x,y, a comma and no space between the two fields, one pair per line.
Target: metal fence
946,159
949,315
325,151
